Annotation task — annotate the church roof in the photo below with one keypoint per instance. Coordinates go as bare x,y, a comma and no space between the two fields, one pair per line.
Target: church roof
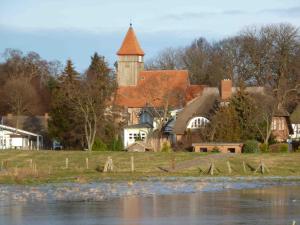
155,87
130,45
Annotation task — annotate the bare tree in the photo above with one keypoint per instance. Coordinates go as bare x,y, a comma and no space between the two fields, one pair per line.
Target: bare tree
168,59
20,97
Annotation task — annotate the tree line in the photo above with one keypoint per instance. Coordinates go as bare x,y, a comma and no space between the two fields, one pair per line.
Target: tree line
79,104
258,56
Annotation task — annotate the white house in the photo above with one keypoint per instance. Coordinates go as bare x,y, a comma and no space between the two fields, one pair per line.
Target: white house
13,138
295,120
137,132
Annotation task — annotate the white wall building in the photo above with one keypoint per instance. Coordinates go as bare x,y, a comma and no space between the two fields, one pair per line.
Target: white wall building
12,138
136,132
295,120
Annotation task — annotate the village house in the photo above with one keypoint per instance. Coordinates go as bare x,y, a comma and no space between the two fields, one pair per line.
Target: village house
13,138
197,113
281,125
295,121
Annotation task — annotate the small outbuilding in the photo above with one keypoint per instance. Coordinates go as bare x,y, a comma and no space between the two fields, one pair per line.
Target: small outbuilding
139,146
221,147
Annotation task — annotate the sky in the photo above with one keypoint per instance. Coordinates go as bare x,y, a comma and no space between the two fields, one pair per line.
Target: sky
75,29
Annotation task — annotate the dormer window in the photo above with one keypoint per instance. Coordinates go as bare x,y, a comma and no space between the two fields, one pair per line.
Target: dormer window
197,122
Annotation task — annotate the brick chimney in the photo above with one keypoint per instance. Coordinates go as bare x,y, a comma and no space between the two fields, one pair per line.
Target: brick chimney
226,89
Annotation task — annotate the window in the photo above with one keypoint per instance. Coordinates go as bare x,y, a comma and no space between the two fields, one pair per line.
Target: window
133,136
231,150
140,59
197,122
273,126
203,149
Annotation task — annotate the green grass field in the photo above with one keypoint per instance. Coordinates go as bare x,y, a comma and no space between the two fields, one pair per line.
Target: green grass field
32,167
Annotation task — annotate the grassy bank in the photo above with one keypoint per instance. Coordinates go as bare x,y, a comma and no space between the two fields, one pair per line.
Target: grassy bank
27,167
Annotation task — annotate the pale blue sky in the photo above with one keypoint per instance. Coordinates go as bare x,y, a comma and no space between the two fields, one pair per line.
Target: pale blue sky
62,29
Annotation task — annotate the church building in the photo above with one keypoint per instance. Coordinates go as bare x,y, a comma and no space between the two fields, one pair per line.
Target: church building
139,88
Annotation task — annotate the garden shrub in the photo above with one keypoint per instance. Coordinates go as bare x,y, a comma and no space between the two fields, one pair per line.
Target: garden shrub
99,145
116,145
279,147
251,146
166,147
264,147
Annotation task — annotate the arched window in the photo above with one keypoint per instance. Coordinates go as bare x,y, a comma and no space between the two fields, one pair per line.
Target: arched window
197,122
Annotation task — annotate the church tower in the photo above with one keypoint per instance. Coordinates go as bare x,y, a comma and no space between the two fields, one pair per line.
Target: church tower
130,60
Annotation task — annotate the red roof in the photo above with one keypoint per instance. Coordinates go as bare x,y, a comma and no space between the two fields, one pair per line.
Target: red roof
156,87
130,45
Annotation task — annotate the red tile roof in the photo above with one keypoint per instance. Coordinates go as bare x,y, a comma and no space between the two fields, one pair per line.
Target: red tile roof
156,87
130,45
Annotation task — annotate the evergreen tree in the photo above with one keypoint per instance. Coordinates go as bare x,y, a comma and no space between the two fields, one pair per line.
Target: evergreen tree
245,109
69,74
98,68
64,125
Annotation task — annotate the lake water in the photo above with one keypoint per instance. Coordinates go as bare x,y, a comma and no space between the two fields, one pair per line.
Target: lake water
277,205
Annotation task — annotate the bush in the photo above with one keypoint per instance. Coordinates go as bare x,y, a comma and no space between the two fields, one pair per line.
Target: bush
215,150
280,147
99,145
264,147
166,147
251,146
116,145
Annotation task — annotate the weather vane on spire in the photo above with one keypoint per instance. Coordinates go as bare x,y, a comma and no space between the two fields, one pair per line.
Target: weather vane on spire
130,22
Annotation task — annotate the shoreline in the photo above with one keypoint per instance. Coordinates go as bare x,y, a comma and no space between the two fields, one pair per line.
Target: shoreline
99,191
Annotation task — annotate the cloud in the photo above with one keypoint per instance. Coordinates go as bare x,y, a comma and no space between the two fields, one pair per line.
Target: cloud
203,14
287,12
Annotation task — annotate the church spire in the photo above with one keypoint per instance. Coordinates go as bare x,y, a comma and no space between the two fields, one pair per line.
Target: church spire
130,45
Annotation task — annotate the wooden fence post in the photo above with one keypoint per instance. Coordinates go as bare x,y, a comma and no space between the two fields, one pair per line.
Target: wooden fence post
173,163
244,167
67,163
262,167
87,163
108,165
229,167
132,163
34,168
30,163
211,169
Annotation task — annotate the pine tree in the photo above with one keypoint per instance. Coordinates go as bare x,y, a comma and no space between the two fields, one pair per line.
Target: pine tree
64,125
98,68
69,74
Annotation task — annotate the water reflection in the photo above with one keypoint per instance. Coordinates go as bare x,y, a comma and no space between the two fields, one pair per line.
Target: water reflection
277,205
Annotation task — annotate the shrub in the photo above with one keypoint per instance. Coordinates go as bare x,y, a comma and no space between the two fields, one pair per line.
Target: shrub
116,145
264,147
215,150
280,147
251,146
99,145
166,147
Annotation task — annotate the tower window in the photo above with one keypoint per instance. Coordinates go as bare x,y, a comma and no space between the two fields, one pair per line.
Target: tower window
140,59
